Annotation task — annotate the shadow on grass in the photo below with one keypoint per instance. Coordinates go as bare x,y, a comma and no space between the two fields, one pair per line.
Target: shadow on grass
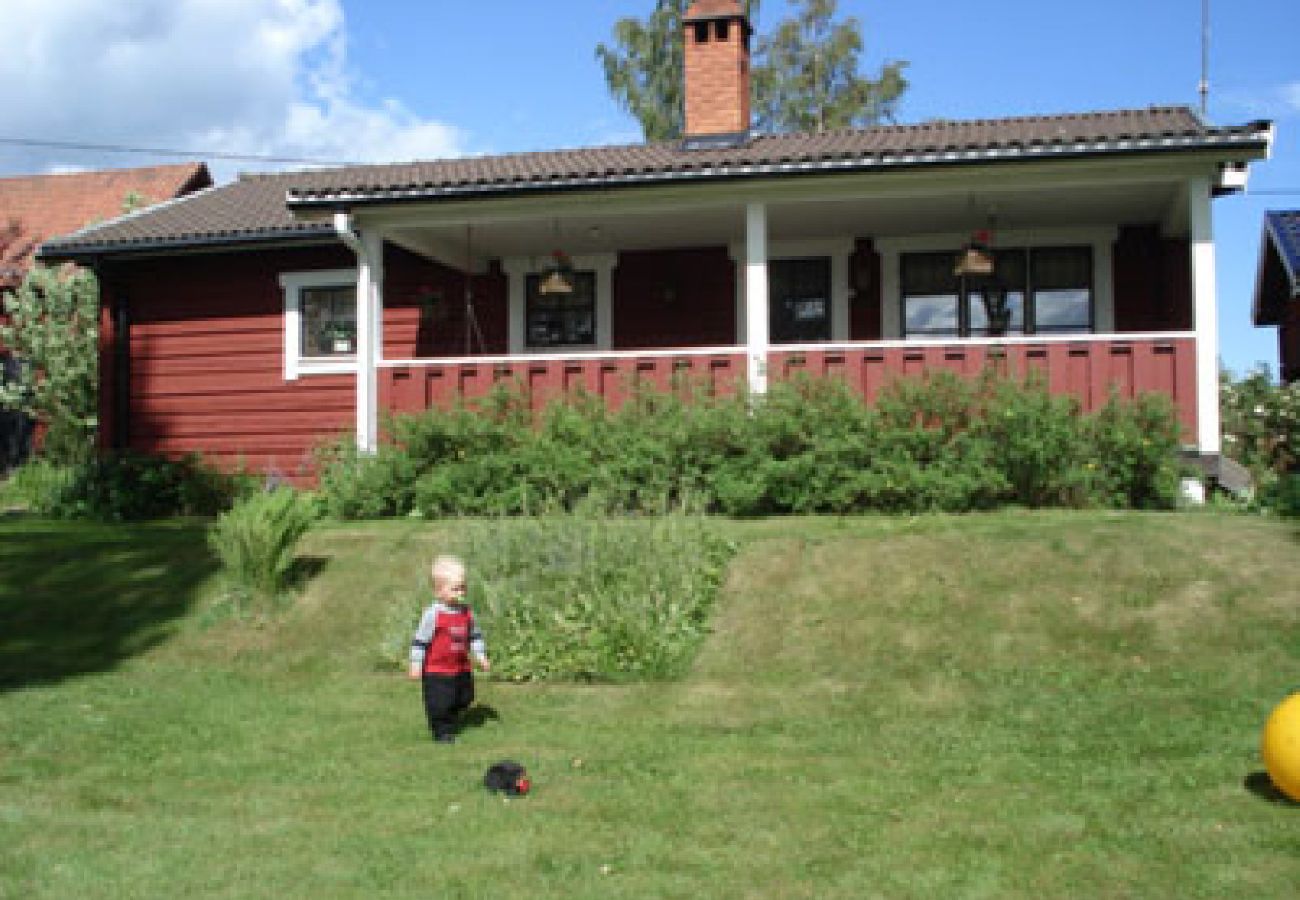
77,598
478,715
305,569
1259,784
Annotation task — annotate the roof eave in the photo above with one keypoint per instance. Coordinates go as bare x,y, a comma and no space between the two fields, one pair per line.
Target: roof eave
1257,143
52,252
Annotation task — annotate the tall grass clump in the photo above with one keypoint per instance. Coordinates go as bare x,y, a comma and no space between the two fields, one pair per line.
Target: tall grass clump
579,597
256,539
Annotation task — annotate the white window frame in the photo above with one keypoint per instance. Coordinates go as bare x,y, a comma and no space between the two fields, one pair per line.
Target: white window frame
292,284
837,250
518,268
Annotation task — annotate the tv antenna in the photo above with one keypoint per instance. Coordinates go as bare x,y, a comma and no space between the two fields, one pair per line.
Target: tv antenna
472,332
1204,87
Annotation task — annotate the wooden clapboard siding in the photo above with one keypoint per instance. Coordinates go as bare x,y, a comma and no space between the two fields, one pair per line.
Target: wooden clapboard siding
207,360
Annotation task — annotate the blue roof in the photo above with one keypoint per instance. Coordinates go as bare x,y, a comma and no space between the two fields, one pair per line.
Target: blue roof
1284,230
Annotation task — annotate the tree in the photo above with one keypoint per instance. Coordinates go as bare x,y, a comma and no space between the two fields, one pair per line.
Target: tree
53,331
807,76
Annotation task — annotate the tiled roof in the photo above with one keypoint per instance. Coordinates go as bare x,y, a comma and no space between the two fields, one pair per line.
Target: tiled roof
1284,230
255,206
1277,279
39,207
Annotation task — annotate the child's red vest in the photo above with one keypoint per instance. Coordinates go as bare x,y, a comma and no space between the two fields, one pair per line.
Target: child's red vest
448,652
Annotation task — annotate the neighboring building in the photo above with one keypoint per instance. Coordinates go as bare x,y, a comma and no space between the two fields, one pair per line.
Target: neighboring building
253,320
1277,288
36,208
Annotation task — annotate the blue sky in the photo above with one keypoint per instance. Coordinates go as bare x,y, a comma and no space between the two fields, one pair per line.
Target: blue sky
400,79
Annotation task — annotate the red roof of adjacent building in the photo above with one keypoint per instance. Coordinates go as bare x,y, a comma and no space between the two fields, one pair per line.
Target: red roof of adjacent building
34,208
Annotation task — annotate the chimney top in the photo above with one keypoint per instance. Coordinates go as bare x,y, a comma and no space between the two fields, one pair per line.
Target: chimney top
717,34
714,9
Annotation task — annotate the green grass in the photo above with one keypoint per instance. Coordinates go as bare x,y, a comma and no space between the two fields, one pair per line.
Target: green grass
1012,705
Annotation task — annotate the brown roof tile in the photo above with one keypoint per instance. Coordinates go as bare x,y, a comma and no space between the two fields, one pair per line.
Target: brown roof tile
35,208
255,206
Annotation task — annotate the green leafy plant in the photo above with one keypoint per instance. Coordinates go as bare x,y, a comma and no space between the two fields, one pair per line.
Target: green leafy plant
52,329
256,540
1261,430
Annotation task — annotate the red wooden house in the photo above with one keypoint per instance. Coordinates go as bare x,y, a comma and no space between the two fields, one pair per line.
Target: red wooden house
252,320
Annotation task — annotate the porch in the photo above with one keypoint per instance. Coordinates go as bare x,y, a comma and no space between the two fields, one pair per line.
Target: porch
1089,368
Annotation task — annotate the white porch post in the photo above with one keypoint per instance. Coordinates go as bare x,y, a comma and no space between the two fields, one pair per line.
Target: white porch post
1204,300
756,299
370,311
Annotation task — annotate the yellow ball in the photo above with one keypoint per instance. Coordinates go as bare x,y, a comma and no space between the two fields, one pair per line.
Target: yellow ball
1281,746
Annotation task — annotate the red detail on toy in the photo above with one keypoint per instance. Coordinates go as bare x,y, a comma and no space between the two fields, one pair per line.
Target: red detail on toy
524,785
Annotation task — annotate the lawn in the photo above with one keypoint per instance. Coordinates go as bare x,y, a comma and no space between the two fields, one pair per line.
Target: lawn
1011,705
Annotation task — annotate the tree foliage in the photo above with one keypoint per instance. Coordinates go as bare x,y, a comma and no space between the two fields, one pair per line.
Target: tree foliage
52,329
807,76
804,75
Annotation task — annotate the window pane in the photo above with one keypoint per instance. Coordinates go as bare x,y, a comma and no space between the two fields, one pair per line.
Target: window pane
328,317
979,308
1068,311
799,304
929,273
1062,281
1062,267
934,314
558,320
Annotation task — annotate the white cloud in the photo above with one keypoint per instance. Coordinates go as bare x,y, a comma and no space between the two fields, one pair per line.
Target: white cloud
265,77
1291,96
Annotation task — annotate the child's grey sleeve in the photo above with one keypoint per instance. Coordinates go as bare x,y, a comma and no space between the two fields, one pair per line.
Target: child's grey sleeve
477,646
423,635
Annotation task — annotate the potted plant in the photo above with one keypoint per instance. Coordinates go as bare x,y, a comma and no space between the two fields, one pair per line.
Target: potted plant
341,337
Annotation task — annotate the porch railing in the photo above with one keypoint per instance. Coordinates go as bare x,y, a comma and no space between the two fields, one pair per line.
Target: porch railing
1088,367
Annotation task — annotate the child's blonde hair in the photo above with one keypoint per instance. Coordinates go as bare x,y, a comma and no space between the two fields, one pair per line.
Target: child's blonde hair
447,568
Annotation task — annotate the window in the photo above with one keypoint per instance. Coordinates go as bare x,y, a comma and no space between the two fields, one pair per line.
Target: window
320,322
799,302
561,320
1033,291
328,317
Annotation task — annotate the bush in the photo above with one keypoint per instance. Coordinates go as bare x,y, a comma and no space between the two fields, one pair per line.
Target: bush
256,538
1261,430
940,442
582,597
127,487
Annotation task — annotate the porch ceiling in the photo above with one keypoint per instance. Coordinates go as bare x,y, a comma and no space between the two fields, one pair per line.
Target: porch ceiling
604,227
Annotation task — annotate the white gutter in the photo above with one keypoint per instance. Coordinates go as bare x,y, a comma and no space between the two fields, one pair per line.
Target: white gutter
370,278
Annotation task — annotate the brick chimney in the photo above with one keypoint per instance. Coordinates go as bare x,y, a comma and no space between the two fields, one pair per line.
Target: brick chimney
717,69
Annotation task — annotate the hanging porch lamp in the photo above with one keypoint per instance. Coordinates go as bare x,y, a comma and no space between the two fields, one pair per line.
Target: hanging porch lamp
975,259
557,277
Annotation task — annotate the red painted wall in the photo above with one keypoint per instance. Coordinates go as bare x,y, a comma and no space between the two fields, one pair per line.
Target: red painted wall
674,298
426,310
207,361
1288,341
1153,287
865,292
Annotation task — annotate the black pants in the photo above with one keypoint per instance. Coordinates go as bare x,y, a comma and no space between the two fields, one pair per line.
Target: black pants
445,698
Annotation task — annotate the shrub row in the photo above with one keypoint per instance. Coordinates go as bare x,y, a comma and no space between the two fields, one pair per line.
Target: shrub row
581,597
809,446
126,487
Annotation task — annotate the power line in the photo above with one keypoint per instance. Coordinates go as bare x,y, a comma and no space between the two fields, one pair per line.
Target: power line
157,151
1280,192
